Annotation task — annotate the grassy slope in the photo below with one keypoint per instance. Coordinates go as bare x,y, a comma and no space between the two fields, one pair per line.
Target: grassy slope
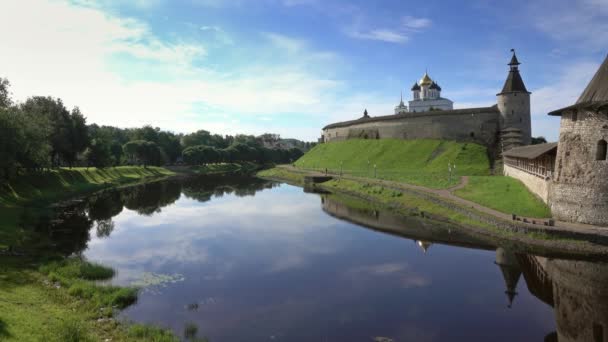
504,194
41,189
421,162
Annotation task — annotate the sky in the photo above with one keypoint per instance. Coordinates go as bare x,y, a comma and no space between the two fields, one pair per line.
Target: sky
292,66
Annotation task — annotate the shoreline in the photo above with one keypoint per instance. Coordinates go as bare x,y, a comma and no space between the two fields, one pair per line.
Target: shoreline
433,207
58,308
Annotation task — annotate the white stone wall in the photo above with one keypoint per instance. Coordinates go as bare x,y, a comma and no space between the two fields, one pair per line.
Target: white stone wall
535,184
425,105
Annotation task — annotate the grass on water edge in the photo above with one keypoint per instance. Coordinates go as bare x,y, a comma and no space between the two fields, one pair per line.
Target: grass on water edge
420,162
225,168
61,301
505,194
401,201
35,191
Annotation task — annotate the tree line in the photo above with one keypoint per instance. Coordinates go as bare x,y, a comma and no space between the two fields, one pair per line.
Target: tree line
41,133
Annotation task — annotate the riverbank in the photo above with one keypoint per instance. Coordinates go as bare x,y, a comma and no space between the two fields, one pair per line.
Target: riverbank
42,299
442,206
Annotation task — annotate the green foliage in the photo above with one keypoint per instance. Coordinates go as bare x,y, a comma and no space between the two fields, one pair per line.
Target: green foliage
151,333
78,268
504,194
71,330
421,162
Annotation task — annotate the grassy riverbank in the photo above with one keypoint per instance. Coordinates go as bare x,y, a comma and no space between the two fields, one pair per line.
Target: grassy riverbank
45,300
60,301
504,194
34,192
414,202
421,162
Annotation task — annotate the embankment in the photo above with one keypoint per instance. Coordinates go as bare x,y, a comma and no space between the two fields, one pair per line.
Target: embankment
413,202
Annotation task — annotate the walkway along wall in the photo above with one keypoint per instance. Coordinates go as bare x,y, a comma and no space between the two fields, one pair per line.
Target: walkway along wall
538,186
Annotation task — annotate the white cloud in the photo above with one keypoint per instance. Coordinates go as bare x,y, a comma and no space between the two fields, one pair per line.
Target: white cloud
384,35
415,23
400,33
582,23
72,50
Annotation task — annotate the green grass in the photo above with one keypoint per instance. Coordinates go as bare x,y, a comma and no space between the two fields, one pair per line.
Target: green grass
59,301
61,183
390,197
29,194
282,174
504,194
421,162
225,168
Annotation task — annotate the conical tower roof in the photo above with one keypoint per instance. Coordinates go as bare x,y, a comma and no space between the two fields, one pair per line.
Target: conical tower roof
424,245
514,82
597,89
511,272
595,95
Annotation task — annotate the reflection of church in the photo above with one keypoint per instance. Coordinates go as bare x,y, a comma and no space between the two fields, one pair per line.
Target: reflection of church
577,291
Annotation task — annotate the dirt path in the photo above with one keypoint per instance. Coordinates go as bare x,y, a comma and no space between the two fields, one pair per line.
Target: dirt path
464,181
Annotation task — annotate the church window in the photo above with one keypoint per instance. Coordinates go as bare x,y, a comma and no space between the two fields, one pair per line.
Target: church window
574,116
472,134
600,153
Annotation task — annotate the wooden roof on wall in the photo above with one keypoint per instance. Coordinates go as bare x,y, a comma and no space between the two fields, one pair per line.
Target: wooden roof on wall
531,151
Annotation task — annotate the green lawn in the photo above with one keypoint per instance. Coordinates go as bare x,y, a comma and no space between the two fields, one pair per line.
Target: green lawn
504,194
57,184
422,162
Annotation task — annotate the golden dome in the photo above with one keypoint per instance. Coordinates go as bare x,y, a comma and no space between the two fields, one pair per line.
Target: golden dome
425,80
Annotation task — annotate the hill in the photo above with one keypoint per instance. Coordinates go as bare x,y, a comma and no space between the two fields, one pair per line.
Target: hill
422,162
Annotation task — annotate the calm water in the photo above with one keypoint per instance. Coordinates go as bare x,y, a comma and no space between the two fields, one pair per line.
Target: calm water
249,260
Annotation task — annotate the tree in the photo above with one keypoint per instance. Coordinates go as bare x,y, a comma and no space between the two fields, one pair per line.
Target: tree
78,136
99,154
60,123
117,152
5,97
538,140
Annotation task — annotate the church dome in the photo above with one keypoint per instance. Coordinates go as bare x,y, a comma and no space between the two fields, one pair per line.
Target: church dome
425,80
435,86
415,87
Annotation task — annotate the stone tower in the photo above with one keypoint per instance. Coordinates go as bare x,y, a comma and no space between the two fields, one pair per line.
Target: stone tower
514,107
579,192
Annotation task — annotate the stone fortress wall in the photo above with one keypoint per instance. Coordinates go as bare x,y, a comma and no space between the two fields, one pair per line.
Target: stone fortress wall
476,125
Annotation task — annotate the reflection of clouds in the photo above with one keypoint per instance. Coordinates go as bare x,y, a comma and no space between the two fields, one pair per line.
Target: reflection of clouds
275,227
399,273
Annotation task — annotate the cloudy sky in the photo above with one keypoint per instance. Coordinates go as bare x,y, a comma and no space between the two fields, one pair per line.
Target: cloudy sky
292,66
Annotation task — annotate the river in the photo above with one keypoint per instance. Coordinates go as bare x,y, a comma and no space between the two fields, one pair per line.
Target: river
243,259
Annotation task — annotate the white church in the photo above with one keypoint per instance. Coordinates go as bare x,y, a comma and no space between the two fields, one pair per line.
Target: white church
426,96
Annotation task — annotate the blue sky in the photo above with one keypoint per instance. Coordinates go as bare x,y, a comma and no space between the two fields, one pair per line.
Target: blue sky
292,66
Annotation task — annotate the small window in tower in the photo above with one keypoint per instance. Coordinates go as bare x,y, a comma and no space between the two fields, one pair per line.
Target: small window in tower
472,134
521,120
600,153
574,116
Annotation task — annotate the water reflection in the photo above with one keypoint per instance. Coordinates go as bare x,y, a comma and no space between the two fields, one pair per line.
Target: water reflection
245,259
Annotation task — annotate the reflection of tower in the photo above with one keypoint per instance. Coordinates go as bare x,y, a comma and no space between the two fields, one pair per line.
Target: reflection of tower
424,245
511,272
